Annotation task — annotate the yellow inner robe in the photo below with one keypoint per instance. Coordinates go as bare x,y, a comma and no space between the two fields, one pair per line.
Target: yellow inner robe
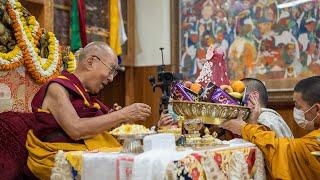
41,157
286,158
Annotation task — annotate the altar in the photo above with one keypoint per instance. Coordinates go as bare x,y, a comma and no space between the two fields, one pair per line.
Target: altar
236,159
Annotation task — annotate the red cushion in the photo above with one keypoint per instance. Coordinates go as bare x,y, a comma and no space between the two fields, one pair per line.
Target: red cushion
14,127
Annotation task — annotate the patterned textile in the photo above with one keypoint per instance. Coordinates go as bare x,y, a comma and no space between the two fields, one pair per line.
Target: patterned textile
240,160
228,164
16,90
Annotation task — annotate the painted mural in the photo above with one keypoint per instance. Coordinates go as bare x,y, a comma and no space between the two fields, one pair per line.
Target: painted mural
266,39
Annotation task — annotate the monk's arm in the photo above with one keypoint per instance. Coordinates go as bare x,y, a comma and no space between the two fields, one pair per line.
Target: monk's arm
58,103
266,140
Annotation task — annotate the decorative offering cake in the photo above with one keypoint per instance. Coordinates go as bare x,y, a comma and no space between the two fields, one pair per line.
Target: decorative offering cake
130,129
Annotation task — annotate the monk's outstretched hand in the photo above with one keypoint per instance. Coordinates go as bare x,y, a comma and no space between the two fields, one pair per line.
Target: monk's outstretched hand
234,125
115,107
136,112
165,119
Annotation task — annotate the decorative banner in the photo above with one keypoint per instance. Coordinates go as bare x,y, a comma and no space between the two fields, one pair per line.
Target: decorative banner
82,22
75,43
78,25
115,27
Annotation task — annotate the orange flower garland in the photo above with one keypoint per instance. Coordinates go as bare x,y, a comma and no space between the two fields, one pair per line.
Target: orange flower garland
11,60
14,58
28,33
40,71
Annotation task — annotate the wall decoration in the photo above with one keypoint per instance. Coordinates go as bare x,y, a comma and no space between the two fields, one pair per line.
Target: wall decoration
273,40
62,21
97,16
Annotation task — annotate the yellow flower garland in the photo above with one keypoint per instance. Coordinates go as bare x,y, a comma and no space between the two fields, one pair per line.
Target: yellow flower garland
71,64
13,58
27,34
40,71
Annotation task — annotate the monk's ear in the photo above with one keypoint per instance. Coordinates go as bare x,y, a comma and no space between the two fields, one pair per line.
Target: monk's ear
255,94
89,63
317,108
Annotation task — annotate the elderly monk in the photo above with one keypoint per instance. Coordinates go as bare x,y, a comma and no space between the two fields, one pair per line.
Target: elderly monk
68,115
288,158
267,117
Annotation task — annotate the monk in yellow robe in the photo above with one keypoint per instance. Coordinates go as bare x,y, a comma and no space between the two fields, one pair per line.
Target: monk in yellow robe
68,115
288,158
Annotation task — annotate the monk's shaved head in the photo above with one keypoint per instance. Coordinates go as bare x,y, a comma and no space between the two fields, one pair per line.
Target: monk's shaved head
95,49
97,66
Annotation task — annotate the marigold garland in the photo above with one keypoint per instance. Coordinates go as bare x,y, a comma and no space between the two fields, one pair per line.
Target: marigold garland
41,69
28,34
71,63
11,60
14,58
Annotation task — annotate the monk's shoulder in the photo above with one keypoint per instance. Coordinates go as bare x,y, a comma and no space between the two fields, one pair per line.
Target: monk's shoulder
55,89
55,93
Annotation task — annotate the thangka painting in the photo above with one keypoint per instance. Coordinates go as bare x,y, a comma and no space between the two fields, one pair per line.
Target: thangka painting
97,17
267,39
62,21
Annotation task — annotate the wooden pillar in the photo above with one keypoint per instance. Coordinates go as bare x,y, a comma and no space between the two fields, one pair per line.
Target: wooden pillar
129,60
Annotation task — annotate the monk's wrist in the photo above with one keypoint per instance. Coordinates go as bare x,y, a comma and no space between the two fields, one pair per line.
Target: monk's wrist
122,117
243,129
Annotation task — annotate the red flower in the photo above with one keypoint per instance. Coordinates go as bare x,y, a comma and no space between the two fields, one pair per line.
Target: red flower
251,159
218,158
195,174
197,156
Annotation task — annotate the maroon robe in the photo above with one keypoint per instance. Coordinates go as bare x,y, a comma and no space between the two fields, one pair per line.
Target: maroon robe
46,128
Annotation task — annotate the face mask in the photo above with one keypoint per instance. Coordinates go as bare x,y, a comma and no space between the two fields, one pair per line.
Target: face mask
299,117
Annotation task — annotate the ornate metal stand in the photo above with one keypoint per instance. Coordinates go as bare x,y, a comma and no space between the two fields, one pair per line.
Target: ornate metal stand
195,114
132,143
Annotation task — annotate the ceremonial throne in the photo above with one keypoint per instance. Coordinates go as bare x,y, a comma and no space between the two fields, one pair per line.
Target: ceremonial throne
18,83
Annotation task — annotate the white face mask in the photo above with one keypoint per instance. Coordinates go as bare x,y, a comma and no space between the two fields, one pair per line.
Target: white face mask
299,117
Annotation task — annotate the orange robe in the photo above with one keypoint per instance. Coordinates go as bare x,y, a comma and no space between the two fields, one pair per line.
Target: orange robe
286,158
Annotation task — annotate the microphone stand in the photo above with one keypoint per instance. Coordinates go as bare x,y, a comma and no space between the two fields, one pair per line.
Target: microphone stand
163,81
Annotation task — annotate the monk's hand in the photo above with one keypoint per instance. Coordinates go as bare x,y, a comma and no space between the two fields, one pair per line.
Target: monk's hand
116,107
255,108
136,112
165,119
234,125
